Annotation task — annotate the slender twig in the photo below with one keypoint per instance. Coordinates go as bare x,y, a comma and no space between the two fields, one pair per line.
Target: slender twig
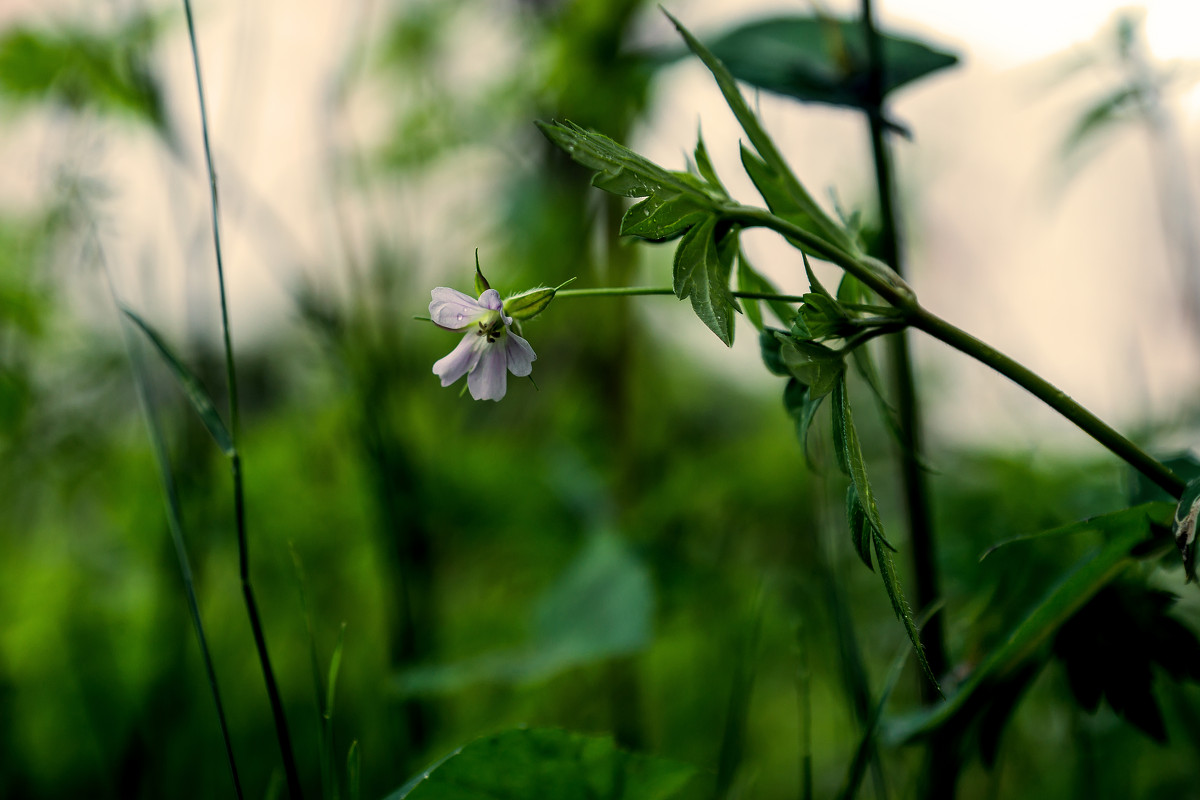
281,729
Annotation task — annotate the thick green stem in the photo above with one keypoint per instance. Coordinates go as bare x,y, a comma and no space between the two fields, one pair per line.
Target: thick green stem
1052,396
894,291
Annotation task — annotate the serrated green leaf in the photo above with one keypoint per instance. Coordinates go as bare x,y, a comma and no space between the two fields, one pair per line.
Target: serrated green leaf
663,215
778,194
814,285
195,392
820,59
702,270
527,763
860,528
619,170
851,457
816,220
891,582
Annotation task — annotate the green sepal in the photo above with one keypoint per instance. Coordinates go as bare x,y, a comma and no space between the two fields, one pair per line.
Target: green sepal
527,305
481,283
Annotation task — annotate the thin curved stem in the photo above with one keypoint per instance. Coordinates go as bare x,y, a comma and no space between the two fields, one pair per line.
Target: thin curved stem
635,291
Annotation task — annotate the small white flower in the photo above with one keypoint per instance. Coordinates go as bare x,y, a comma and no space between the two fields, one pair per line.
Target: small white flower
488,351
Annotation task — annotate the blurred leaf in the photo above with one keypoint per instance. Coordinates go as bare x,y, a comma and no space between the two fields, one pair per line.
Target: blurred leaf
737,713
81,67
1183,527
819,59
602,606
1111,646
703,265
528,763
785,189
1025,648
196,394
1100,118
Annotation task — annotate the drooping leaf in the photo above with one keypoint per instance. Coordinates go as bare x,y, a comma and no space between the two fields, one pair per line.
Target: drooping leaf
703,266
195,392
819,59
1113,645
538,762
1026,646
866,527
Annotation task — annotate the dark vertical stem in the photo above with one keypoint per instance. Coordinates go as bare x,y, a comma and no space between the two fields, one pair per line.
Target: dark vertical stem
260,642
941,767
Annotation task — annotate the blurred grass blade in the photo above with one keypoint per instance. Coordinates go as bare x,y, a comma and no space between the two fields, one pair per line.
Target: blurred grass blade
733,740
868,746
196,394
804,697
175,524
354,772
526,762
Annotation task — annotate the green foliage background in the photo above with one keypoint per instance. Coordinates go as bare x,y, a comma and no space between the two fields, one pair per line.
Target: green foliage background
636,549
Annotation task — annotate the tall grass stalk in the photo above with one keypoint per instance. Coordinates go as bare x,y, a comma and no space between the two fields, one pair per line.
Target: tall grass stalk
260,642
174,511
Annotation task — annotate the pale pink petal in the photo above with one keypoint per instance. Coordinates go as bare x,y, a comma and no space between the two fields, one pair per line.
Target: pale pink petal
488,379
461,360
520,355
490,299
452,309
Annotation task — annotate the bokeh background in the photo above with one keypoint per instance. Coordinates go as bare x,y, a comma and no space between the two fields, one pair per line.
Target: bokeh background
617,549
